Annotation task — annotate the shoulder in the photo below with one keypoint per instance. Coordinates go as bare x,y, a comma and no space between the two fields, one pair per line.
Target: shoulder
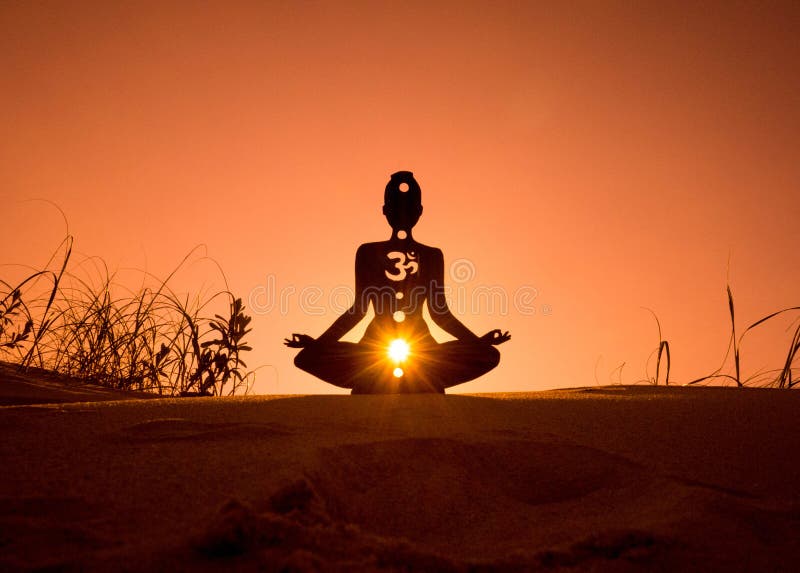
430,252
373,246
368,248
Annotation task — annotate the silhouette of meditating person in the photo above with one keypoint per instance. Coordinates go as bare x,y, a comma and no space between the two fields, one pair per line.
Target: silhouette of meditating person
397,353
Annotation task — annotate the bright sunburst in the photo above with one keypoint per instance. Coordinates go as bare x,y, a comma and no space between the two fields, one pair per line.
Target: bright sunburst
398,350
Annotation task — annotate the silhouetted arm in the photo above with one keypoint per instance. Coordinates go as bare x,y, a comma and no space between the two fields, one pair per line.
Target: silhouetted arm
357,311
437,304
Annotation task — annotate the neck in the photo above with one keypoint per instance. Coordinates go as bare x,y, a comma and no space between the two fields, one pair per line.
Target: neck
401,235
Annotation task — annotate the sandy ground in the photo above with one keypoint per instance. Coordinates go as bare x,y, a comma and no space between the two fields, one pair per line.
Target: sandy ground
595,479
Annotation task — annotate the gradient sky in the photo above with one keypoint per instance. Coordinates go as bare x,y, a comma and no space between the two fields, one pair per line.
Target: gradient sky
611,156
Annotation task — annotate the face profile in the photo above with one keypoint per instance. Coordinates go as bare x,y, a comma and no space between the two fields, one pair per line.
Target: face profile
397,279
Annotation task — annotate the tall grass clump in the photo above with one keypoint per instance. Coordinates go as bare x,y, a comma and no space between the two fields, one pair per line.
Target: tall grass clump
783,377
79,319
778,377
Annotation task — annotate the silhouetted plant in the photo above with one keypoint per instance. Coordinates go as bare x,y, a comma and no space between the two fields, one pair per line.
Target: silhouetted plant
11,308
46,320
618,370
219,359
785,376
662,355
783,379
149,339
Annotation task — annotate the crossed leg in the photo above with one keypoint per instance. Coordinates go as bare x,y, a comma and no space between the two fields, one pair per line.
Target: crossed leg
343,364
456,362
364,368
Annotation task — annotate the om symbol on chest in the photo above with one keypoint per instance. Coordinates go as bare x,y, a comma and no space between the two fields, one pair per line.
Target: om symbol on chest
404,264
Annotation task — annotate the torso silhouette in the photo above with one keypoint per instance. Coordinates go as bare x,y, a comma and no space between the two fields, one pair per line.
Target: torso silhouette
398,278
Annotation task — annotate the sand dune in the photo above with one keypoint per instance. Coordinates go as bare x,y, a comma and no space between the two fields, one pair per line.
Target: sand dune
37,386
600,479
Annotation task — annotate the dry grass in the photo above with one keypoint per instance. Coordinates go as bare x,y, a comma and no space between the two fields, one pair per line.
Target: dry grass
778,377
783,377
79,320
662,356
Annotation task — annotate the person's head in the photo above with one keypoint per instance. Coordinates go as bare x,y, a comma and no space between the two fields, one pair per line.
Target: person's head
402,201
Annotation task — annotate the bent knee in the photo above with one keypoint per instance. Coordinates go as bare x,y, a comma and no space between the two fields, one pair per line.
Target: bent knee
301,360
486,356
492,357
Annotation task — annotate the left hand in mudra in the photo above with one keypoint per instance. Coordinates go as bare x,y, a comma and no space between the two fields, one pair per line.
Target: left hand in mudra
298,341
495,337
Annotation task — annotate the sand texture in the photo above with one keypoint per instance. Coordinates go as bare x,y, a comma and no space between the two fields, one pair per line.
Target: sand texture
601,479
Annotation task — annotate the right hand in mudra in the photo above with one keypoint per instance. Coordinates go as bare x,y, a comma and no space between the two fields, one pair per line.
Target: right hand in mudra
298,341
495,337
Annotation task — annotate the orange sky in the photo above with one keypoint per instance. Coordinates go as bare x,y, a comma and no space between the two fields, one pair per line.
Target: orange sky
610,156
